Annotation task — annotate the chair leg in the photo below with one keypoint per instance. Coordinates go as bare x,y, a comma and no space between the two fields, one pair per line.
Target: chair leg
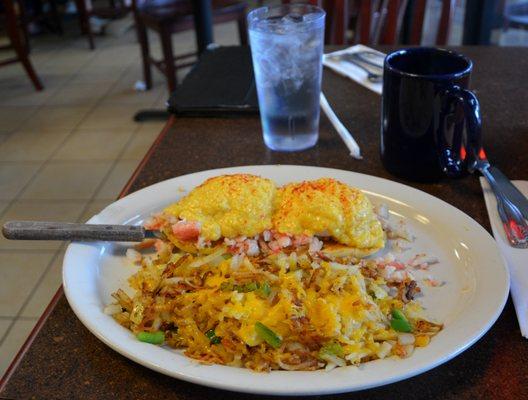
242,30
168,58
84,22
31,72
20,49
56,17
145,53
24,22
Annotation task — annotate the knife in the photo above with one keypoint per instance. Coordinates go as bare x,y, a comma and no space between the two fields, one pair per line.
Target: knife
40,230
373,76
509,189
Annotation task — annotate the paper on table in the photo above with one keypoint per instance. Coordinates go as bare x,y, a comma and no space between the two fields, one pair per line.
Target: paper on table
517,259
350,70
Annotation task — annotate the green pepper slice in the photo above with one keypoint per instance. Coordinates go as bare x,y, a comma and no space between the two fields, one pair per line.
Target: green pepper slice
332,348
151,337
211,335
264,290
248,287
399,322
268,335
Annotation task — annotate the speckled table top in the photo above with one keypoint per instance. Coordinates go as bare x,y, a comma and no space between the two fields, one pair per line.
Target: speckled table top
65,361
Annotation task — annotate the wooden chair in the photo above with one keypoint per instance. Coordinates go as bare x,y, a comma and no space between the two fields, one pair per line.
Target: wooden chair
84,22
18,43
44,12
380,21
116,9
170,16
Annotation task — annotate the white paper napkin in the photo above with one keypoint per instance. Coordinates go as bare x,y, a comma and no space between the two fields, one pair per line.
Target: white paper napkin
517,259
350,70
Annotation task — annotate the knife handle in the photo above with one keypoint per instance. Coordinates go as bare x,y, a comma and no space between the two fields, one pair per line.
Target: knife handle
510,191
40,230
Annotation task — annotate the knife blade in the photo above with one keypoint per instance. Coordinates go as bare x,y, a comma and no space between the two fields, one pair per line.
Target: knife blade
509,189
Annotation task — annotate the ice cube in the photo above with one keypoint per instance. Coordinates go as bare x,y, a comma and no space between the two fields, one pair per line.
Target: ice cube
311,16
292,18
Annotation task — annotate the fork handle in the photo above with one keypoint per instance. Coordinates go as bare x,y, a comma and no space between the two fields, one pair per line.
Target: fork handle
40,230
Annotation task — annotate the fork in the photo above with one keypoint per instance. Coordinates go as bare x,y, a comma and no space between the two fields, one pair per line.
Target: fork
371,76
513,222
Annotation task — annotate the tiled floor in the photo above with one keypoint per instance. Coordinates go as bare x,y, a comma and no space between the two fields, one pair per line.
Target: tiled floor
65,153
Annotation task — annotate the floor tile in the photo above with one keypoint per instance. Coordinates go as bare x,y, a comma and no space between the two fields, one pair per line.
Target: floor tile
4,136
117,57
14,176
84,119
67,180
55,117
12,117
226,34
4,324
117,179
95,144
13,341
31,145
94,207
3,206
46,289
20,93
143,139
79,94
40,210
19,273
69,59
95,74
161,102
110,117
125,93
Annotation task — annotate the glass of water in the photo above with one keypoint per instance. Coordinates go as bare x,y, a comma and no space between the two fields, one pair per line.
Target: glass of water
287,50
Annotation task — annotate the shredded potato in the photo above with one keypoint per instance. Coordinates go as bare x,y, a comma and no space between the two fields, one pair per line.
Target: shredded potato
321,314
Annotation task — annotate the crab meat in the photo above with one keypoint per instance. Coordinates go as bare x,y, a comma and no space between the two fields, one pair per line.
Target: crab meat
186,231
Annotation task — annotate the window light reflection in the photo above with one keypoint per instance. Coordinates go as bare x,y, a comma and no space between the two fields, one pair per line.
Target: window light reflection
401,203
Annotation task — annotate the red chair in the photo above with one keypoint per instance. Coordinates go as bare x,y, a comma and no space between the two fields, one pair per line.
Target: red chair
171,16
380,21
17,43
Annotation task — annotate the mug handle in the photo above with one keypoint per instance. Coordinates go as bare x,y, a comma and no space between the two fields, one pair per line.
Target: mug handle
455,158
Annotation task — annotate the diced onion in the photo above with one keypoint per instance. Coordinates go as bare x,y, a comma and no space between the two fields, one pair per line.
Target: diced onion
405,338
330,366
112,309
236,260
333,359
384,350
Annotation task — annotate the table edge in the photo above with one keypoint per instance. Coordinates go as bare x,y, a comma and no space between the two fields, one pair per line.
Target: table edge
60,292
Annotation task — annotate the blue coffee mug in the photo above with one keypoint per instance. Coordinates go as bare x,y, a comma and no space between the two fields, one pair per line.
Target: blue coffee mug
431,125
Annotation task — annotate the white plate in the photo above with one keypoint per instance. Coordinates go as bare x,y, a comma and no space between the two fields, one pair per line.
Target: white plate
468,304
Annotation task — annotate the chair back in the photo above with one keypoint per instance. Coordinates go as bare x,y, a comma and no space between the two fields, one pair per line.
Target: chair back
444,25
381,21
